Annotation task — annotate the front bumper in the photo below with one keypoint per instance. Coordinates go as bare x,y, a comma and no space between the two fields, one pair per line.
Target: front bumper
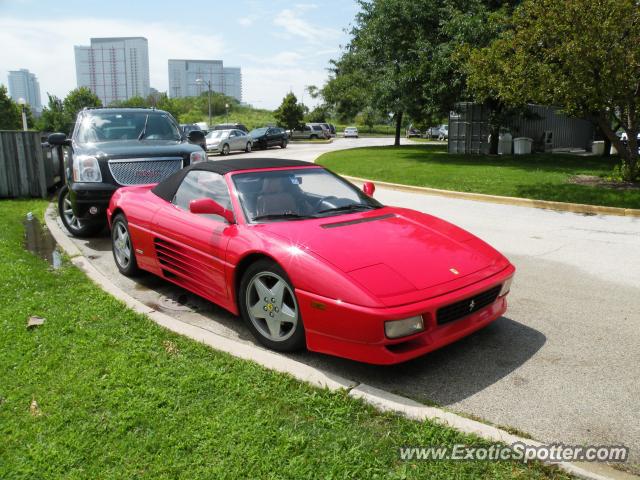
355,332
213,149
84,196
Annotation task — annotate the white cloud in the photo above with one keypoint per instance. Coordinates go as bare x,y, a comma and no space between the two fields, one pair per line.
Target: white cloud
46,47
294,25
265,87
246,21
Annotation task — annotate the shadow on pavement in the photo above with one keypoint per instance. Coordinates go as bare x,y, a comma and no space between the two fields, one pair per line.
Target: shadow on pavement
450,374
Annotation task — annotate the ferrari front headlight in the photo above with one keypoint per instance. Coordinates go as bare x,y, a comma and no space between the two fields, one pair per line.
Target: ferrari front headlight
506,286
403,328
86,169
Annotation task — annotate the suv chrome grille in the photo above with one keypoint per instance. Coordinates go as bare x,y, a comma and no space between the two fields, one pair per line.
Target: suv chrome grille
138,171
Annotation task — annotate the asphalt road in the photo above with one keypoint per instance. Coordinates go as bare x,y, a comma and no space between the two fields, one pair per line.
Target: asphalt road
562,365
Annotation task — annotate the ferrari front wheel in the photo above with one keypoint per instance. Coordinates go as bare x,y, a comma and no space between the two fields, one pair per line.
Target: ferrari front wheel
269,307
122,247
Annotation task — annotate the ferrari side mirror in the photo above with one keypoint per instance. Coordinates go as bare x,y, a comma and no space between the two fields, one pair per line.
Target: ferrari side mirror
210,207
368,188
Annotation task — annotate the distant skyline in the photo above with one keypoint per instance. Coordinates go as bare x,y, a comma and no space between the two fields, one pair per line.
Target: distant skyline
279,45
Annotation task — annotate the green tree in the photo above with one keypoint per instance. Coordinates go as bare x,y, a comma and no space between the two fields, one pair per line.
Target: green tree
10,116
77,99
133,102
290,113
577,54
53,118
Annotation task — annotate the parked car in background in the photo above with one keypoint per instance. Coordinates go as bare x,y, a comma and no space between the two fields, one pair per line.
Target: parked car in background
192,127
231,126
305,132
321,130
114,147
412,132
351,132
225,141
328,126
443,133
266,137
432,132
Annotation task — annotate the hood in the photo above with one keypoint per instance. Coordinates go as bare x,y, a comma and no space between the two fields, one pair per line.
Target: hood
135,148
392,251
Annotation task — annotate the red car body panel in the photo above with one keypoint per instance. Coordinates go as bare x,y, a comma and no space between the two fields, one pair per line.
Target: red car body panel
351,272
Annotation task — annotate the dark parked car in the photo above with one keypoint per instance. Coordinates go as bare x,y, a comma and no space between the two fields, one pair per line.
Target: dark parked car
266,137
190,127
231,126
114,147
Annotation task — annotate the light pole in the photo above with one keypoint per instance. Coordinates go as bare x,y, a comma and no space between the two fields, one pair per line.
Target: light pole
226,107
208,84
22,102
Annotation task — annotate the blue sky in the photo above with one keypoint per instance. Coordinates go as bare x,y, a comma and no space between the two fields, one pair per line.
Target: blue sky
279,45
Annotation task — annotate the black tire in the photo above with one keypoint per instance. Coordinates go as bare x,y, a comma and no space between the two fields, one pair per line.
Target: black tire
293,338
76,227
225,149
313,137
283,144
248,147
130,267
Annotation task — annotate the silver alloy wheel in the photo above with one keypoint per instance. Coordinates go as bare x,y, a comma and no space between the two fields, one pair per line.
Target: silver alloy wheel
271,306
248,149
225,150
69,216
122,245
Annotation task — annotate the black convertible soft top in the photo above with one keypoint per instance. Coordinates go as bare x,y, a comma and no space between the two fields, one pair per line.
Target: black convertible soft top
168,187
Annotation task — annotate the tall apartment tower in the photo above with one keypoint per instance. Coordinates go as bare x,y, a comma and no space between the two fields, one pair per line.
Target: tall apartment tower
114,68
189,78
24,84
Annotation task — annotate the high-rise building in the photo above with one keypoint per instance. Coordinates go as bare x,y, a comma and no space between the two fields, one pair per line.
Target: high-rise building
189,78
114,68
24,84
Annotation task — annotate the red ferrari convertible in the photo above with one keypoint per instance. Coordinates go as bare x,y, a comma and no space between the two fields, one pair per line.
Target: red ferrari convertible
306,258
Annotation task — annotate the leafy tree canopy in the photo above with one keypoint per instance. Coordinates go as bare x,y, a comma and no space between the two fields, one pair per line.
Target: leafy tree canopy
290,113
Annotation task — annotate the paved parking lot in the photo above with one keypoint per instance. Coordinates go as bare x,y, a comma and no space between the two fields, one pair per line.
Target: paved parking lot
562,365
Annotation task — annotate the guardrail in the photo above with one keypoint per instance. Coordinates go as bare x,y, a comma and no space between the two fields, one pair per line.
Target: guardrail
28,168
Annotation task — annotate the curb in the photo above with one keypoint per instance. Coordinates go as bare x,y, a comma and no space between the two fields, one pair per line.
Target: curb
379,399
520,202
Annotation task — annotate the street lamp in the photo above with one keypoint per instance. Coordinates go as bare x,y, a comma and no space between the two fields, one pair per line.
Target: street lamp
22,102
226,107
200,81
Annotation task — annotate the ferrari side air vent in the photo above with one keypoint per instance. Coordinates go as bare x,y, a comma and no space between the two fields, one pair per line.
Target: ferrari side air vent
360,220
181,264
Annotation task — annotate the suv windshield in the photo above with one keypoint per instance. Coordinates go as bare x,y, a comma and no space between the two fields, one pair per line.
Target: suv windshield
296,194
114,126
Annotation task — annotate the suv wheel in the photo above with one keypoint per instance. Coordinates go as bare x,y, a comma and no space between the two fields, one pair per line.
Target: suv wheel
73,224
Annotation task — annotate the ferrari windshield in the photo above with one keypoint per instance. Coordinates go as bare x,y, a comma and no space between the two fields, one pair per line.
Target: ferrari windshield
296,194
105,126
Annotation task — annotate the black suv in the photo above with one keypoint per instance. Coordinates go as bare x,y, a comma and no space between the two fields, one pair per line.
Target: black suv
114,147
266,137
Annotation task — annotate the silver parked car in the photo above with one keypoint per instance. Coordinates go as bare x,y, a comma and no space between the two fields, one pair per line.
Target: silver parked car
351,132
224,141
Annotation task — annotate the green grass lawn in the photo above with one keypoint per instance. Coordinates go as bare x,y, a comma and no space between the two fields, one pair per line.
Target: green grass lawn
120,397
539,176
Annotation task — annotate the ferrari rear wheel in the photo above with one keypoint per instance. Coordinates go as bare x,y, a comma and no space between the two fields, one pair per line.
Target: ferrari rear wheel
269,307
122,247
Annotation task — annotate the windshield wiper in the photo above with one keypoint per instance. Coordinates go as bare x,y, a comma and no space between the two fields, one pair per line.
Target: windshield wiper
276,216
349,208
144,128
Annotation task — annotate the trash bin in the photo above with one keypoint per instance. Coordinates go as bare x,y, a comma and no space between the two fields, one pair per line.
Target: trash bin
504,143
597,147
522,145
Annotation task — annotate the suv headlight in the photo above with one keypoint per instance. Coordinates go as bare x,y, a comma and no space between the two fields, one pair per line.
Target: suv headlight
86,169
403,328
197,157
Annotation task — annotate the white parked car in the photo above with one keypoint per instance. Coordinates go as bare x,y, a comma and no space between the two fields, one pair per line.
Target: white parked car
351,132
224,141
